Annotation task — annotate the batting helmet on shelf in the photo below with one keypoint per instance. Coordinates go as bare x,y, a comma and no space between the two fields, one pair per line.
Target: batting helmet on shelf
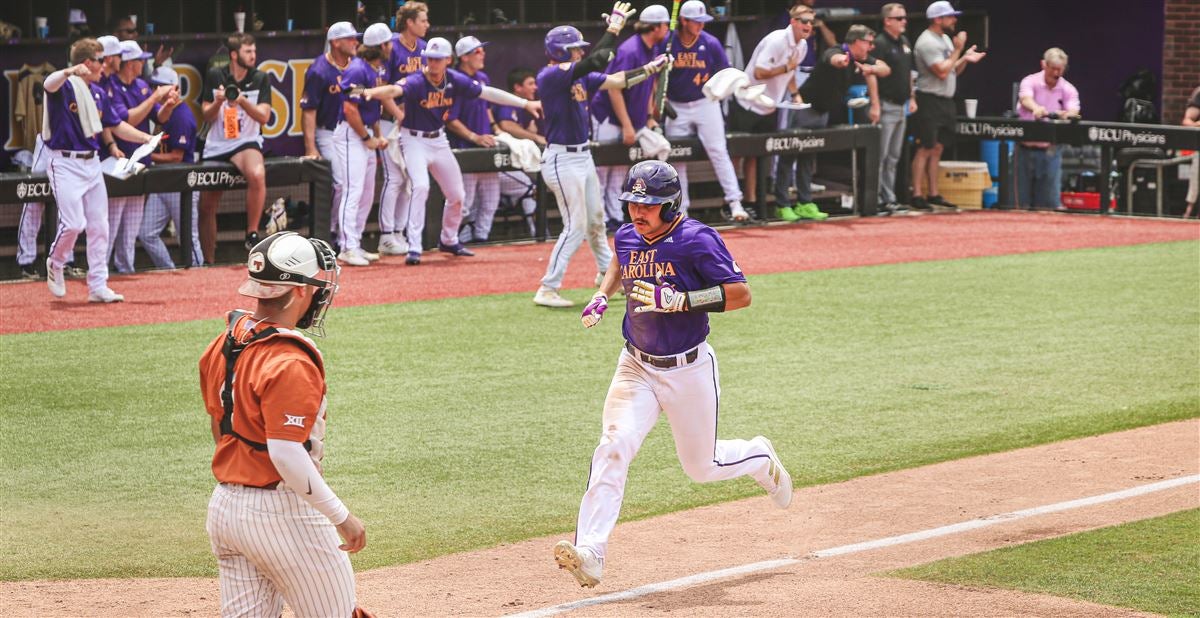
656,183
560,40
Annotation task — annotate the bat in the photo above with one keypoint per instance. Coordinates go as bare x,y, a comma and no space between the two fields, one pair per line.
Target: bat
660,94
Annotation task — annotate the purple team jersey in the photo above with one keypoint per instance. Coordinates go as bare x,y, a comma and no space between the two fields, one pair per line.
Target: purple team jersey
515,114
179,133
693,66
66,133
426,106
323,92
565,103
404,61
631,54
690,256
126,97
357,77
471,112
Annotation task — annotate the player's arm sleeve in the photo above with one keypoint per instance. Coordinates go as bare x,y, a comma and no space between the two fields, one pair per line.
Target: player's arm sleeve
115,112
713,260
290,392
500,97
720,59
297,470
598,59
314,88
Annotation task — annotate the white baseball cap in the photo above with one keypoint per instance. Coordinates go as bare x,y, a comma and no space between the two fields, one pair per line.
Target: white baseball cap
77,16
377,34
130,50
112,46
941,8
164,76
437,47
341,30
655,14
467,45
694,10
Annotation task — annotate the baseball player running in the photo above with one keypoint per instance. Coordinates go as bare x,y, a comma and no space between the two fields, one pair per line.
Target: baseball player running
674,270
428,96
273,522
77,110
566,85
322,105
698,56
412,18
471,125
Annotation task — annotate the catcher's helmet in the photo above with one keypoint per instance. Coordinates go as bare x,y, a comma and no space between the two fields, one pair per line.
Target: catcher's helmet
561,39
653,182
287,260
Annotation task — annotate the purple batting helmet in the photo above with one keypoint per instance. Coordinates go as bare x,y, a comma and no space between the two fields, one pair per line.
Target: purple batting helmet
560,40
653,182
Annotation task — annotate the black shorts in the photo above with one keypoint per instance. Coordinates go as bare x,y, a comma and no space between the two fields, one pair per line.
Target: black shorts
934,120
742,119
226,157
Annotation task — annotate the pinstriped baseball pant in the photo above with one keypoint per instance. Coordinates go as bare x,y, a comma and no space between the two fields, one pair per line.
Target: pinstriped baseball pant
272,548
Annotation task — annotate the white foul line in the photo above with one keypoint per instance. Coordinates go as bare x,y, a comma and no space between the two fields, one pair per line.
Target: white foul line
912,537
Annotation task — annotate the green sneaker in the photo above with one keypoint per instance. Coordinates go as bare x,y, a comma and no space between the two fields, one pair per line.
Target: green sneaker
809,210
787,214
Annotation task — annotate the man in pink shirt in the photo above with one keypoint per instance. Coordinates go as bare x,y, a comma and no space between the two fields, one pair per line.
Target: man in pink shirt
1044,94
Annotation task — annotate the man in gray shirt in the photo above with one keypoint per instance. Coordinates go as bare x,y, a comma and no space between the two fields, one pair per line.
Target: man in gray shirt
938,60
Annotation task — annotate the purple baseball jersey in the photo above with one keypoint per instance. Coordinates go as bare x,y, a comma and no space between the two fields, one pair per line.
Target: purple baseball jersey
631,54
565,103
693,66
126,97
404,61
471,112
66,133
323,92
690,256
515,114
427,106
179,133
357,77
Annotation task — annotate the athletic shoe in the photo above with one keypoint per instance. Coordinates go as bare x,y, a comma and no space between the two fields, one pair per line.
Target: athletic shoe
884,210
390,245
599,278
938,200
352,258
547,297
371,257
737,213
251,240
413,259
920,203
581,563
55,280
786,213
809,210
71,271
781,482
29,272
105,295
455,249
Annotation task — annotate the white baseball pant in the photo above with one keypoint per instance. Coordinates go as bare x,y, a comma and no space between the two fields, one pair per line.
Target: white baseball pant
272,547
572,178
610,177
423,156
481,198
689,396
393,198
161,208
124,225
358,163
703,117
82,200
327,146
520,191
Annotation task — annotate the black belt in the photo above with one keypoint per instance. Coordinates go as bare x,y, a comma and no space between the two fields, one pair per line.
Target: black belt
665,362
267,486
425,134
583,148
70,154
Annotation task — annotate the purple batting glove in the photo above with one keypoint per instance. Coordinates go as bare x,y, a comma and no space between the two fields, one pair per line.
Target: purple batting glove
594,312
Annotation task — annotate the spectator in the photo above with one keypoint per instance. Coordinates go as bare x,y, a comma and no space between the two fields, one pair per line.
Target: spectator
235,135
1045,94
1191,118
939,60
471,125
895,94
516,188
773,63
826,91
125,29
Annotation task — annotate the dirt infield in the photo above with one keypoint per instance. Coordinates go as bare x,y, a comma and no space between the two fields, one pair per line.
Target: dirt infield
170,296
522,577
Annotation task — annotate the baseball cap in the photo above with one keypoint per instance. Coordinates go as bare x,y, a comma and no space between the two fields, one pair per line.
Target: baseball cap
377,34
437,47
112,46
655,14
941,8
694,10
164,76
467,45
340,30
283,261
130,50
77,16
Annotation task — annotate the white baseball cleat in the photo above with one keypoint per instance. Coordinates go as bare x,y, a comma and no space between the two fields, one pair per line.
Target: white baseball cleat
352,258
105,295
738,213
389,245
581,563
781,481
370,257
55,280
547,297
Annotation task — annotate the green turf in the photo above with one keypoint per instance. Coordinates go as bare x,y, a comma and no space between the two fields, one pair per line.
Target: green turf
1149,565
464,423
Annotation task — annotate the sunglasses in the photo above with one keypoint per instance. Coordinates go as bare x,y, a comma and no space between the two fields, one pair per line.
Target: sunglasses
803,20
97,58
901,18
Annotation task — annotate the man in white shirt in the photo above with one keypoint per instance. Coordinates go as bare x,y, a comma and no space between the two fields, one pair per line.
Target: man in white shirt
773,63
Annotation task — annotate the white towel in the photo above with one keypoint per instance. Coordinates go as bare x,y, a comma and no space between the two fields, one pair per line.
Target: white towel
89,116
653,144
393,150
524,153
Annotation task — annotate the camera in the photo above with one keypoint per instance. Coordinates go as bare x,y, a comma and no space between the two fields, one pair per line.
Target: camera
231,92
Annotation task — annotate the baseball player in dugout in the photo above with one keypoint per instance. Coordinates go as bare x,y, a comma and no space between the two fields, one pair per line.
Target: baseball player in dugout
566,85
236,102
674,270
273,522
79,116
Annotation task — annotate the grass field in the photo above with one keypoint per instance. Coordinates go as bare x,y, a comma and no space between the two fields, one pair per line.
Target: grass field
1149,565
463,423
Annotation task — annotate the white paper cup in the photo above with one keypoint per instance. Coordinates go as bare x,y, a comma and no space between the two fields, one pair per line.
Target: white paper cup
239,21
40,22
971,105
133,18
